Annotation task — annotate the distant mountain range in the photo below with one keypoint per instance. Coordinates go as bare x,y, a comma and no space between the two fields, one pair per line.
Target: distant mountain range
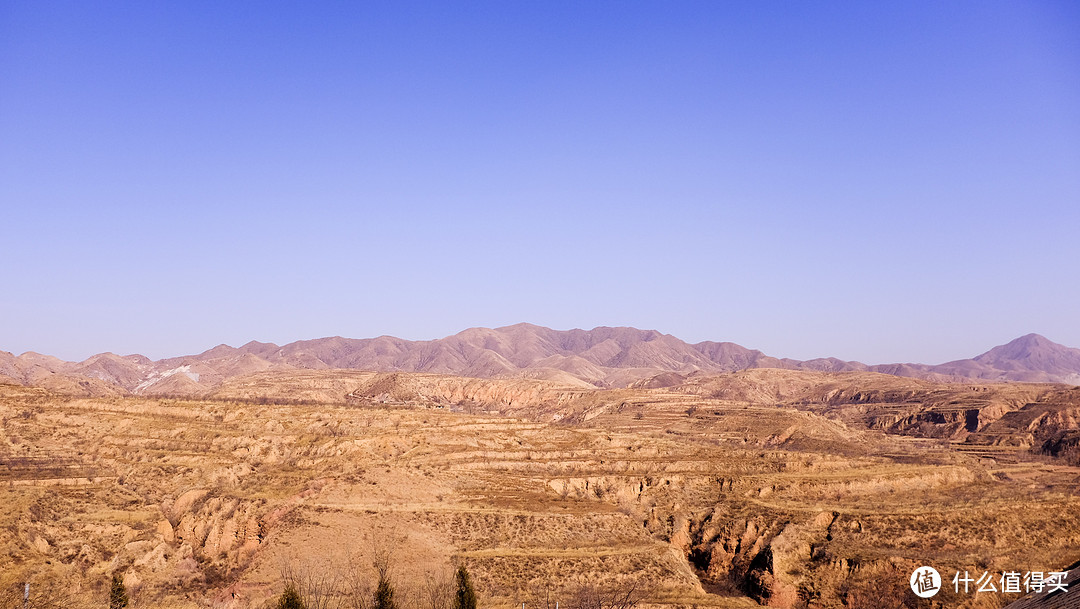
601,357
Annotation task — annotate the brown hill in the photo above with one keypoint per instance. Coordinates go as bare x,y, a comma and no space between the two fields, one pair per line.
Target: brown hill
602,357
1031,358
125,371
36,370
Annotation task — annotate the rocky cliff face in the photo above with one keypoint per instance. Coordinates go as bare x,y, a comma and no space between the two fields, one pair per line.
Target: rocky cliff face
220,529
1048,426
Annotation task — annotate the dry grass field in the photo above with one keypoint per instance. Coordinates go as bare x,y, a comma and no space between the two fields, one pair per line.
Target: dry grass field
688,496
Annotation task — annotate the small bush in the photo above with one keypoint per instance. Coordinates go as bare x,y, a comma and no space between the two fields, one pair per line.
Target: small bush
384,595
290,599
118,598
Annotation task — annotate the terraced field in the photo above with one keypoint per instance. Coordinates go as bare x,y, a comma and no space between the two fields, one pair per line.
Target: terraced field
684,499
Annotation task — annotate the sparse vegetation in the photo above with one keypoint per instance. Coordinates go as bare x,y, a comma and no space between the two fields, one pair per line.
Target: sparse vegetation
207,507
118,597
20,589
384,595
290,598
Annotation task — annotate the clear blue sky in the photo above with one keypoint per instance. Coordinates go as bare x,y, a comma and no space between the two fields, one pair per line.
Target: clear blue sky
876,181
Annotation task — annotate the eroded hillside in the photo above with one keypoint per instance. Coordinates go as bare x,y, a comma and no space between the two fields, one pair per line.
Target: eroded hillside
690,496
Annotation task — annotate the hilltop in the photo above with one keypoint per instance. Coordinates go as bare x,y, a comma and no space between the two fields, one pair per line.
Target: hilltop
603,357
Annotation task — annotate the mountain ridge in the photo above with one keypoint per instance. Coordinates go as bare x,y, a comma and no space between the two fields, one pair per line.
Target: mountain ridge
602,357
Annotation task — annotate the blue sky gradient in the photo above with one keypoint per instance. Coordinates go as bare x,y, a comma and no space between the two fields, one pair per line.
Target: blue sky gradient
874,181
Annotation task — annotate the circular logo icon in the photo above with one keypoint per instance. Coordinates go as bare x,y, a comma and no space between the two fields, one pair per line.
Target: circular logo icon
925,582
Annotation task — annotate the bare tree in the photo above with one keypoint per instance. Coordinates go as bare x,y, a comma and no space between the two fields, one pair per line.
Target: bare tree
356,586
436,591
591,596
318,587
360,590
625,595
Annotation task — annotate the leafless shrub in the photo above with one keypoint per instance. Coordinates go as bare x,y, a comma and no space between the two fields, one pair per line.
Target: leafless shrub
318,586
359,586
37,593
590,596
355,585
625,595
366,581
435,591
884,592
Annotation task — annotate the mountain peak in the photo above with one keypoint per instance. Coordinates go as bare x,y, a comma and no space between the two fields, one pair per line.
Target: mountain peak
1023,348
1031,357
1032,339
522,325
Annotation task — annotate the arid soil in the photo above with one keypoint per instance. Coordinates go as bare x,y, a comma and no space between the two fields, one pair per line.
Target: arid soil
776,487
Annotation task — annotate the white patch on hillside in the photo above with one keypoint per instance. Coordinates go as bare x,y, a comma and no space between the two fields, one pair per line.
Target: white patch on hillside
157,377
